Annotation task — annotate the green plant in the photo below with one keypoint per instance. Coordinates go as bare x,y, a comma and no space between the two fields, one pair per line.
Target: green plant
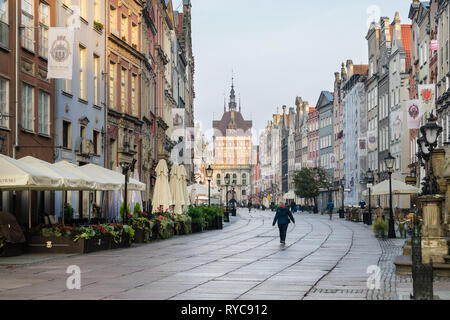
183,224
380,225
68,212
165,227
98,26
137,209
197,216
2,242
144,224
96,210
122,211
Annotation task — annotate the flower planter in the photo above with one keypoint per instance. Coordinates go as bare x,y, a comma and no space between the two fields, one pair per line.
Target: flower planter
196,228
11,250
97,244
39,244
122,242
139,236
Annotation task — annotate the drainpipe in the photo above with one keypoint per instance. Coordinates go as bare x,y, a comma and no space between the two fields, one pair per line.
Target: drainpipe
16,112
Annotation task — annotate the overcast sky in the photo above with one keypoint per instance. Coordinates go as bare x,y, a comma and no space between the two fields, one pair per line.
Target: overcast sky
278,50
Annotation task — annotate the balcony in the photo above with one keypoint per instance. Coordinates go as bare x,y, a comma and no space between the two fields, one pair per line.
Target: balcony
4,35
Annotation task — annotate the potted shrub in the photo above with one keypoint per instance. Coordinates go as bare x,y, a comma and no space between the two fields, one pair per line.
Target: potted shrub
198,219
122,235
142,227
380,227
163,228
122,212
96,238
68,213
182,224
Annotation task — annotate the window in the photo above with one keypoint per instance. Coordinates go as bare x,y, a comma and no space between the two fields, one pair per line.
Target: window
4,21
96,141
96,79
244,179
67,86
83,71
83,9
44,113
124,27
4,102
28,25
234,179
134,104
113,20
97,11
112,85
44,24
82,132
124,89
27,107
67,135
134,35
218,179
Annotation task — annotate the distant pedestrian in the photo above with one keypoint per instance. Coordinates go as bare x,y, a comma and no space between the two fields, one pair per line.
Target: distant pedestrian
293,207
283,217
330,208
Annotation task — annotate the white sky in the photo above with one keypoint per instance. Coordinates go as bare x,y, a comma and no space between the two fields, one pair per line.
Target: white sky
278,50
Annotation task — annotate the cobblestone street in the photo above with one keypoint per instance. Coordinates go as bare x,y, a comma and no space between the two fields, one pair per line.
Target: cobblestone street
322,259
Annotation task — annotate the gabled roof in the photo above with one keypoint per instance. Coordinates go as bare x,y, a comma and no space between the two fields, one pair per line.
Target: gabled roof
241,124
406,41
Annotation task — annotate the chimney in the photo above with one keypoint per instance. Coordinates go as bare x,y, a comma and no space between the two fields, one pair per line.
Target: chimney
343,72
349,68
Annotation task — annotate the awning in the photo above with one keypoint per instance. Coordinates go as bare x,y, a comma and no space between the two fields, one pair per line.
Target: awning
70,179
18,175
116,177
101,183
398,187
202,189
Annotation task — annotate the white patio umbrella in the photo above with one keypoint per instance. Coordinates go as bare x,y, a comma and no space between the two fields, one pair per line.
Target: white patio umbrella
18,175
177,189
183,176
398,187
136,196
101,183
70,179
162,197
115,203
116,177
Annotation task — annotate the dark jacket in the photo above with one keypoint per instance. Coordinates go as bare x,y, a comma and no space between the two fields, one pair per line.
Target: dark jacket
283,216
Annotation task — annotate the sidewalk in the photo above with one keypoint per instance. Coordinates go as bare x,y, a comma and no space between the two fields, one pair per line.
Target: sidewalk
394,287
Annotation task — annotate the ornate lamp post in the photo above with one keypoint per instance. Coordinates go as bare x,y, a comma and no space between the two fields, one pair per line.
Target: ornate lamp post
428,142
125,168
227,183
2,140
370,180
209,174
389,161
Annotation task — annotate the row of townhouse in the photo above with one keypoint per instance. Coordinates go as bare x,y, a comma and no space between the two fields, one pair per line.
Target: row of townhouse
353,128
132,82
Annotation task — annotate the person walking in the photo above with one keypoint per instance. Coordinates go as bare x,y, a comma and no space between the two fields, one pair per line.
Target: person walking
283,217
330,208
293,207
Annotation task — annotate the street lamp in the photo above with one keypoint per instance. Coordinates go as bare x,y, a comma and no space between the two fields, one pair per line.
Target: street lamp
427,143
227,183
389,162
343,190
209,174
370,181
125,168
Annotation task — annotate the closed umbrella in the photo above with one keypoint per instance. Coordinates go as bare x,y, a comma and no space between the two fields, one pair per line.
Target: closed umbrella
183,176
162,197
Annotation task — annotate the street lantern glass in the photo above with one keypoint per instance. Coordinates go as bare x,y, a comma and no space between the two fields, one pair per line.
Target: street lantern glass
209,172
227,179
431,132
423,146
389,161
